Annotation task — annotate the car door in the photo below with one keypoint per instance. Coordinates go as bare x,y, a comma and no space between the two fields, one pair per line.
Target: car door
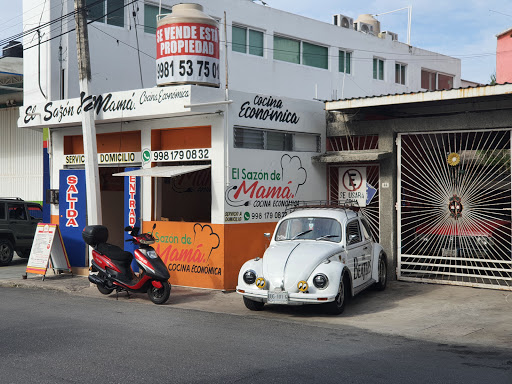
367,247
35,216
358,261
19,224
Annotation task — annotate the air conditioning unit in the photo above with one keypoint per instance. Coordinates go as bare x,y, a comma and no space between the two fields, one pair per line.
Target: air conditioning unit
364,27
389,35
343,21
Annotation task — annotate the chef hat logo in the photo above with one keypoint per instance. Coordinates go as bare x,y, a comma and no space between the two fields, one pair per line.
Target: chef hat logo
204,235
293,172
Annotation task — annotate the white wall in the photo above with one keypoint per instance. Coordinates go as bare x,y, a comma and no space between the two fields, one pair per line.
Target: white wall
115,64
21,151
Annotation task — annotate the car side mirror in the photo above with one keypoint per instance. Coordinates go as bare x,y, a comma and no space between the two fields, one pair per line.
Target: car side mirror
267,235
352,239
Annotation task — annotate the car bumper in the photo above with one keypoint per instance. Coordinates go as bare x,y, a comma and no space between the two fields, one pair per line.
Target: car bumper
294,298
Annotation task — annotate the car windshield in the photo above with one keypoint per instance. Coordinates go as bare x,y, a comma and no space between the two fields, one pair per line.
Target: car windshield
309,228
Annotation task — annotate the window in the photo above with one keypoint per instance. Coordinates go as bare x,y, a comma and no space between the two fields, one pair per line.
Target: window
150,14
17,212
309,228
35,212
286,50
298,52
400,73
255,138
2,211
246,40
106,11
435,81
353,232
366,229
315,55
249,138
345,59
444,81
378,69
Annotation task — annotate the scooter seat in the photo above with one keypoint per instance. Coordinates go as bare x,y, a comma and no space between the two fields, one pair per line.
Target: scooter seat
114,252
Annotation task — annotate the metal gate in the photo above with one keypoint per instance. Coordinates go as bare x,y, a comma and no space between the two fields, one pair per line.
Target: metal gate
371,210
454,208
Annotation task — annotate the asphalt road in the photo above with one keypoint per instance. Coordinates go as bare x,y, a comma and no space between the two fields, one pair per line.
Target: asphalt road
55,337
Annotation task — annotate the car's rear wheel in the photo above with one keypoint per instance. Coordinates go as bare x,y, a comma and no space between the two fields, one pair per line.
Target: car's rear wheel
104,290
383,273
253,305
6,251
337,306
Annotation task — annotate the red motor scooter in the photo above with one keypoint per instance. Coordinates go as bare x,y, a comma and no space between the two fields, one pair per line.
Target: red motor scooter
114,264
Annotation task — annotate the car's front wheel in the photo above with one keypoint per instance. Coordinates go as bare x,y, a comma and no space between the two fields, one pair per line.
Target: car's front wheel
6,251
337,306
253,305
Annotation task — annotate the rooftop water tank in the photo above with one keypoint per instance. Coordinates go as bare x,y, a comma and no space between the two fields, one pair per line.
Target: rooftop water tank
368,24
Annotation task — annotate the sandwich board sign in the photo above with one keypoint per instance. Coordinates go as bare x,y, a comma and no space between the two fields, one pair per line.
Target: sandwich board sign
47,249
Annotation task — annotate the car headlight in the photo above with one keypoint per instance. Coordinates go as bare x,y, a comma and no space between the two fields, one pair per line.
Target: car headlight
320,281
249,277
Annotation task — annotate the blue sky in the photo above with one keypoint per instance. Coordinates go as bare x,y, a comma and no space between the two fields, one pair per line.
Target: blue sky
465,29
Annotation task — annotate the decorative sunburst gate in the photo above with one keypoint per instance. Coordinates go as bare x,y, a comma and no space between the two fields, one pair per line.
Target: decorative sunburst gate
454,208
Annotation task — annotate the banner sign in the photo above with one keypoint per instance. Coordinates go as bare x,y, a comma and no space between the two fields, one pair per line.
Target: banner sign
261,192
187,52
132,213
192,252
352,185
72,214
106,158
113,106
47,246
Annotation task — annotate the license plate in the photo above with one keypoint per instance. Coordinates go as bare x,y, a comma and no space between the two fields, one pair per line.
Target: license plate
277,298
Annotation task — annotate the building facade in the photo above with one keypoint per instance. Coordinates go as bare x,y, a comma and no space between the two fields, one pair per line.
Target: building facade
504,57
443,169
214,167
264,49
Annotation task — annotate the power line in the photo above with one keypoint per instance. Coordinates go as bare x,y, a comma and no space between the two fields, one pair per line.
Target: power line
88,22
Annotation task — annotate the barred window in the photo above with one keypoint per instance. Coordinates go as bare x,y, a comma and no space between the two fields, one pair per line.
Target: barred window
255,138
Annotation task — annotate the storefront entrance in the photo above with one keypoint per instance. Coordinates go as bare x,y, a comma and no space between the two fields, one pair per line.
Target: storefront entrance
454,218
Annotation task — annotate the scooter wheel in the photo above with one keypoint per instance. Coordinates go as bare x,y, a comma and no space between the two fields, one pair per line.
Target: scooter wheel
104,290
159,295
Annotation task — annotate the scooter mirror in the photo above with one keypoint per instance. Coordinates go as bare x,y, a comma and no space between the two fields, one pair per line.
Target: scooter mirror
127,229
154,226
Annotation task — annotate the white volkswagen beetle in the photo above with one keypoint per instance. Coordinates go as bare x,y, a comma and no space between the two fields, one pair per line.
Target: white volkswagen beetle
316,256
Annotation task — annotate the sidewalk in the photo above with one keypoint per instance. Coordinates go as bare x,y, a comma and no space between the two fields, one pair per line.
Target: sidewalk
439,313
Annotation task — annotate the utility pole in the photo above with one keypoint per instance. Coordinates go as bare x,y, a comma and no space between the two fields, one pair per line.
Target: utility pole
92,177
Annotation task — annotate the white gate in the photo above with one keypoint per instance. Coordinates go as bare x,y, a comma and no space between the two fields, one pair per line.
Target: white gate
454,208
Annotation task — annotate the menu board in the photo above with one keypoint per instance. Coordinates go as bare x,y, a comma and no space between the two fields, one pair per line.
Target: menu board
47,247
